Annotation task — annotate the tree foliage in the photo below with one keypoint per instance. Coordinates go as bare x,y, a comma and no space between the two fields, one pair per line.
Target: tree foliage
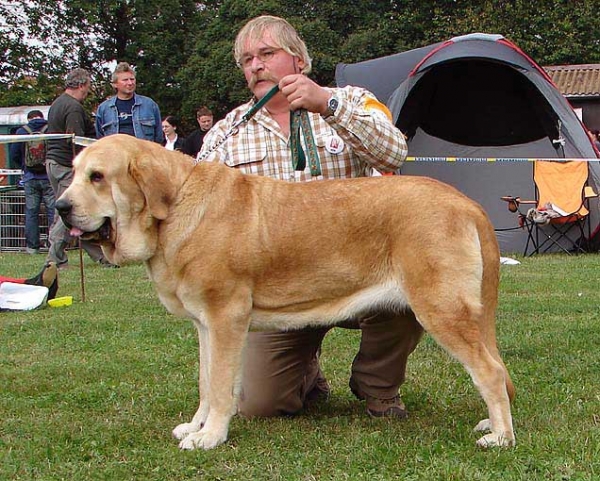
182,49
151,35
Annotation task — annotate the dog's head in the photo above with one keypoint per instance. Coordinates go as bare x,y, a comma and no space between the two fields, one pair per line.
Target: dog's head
122,188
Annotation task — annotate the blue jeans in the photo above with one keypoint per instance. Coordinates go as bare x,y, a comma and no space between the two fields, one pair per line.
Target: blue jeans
36,192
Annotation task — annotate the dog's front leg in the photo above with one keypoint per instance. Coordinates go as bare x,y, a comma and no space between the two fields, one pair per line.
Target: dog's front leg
226,341
182,430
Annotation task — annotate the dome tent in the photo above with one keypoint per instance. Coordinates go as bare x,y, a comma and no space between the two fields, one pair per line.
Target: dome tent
477,96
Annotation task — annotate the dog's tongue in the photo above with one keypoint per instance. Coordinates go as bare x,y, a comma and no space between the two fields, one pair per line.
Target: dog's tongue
75,232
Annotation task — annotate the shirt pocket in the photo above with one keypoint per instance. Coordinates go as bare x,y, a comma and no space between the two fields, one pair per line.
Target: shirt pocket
109,127
320,140
247,150
148,126
244,156
330,144
335,155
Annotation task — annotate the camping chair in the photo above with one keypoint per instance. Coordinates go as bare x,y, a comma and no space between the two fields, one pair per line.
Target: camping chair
559,215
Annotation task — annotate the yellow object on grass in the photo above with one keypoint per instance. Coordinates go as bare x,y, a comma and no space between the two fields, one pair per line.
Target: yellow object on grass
61,301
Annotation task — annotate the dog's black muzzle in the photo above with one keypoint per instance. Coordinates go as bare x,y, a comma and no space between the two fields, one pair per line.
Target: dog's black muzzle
64,207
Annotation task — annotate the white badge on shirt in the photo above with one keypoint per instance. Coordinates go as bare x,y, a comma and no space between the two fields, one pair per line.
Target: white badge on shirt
334,144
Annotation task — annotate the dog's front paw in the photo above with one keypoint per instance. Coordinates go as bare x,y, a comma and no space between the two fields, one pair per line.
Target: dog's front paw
484,425
493,440
185,429
203,439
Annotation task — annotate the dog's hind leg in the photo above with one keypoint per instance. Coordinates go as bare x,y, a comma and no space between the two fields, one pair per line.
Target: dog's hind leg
182,430
489,376
464,341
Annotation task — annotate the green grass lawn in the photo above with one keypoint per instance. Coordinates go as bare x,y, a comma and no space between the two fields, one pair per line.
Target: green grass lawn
92,392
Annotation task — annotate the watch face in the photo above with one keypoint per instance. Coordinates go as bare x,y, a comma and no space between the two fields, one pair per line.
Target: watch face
333,104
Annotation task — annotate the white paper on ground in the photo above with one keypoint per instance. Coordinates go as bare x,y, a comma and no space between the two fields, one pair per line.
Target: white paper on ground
22,297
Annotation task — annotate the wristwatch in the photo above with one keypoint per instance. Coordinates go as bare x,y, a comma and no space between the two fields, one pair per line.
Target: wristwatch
332,106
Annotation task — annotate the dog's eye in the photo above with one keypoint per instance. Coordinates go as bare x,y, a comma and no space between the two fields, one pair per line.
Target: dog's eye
96,176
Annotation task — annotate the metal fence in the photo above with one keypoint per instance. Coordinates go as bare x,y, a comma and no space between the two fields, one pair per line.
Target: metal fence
12,222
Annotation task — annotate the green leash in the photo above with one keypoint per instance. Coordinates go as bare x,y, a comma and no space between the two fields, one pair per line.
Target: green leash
258,105
299,125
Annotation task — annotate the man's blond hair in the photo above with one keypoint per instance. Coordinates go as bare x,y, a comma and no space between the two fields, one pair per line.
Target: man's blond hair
121,68
283,34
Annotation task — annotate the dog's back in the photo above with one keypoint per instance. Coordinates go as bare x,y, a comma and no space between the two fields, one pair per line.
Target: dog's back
363,241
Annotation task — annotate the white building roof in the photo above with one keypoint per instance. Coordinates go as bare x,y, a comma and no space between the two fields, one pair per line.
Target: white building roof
18,115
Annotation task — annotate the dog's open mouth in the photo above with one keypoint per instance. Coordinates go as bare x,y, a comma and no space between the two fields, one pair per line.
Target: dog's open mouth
101,234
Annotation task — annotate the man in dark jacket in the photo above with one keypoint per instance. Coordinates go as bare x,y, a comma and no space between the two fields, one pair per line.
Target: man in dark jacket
35,181
67,115
193,142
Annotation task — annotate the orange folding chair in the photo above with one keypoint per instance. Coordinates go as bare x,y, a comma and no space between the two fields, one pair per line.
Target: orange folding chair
558,217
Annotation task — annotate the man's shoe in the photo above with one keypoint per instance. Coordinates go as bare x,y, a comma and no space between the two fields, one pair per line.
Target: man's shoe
31,250
386,408
381,408
108,265
48,277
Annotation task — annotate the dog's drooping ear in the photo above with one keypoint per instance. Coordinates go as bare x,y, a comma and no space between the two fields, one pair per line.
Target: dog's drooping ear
155,183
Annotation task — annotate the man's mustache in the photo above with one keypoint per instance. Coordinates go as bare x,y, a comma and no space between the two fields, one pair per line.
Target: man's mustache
257,78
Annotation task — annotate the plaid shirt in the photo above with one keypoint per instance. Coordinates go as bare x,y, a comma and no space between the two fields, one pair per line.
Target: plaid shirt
369,141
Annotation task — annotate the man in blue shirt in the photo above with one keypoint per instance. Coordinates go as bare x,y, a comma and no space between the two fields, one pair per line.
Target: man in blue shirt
127,112
35,181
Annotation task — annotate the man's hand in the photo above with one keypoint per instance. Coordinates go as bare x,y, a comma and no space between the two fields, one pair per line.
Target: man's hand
302,93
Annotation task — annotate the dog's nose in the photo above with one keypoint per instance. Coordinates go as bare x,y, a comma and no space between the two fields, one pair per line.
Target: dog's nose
63,206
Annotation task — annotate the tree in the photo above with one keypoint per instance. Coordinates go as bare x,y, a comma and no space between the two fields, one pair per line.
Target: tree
182,49
211,76
95,35
22,83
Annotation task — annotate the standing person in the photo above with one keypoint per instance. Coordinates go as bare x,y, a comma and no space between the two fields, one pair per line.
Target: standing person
170,126
128,112
353,134
193,142
67,115
31,156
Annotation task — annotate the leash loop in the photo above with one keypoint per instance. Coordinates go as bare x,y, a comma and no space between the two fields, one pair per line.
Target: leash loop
300,125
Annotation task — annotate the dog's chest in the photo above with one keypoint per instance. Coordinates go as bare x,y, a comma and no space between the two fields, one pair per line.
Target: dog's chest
166,284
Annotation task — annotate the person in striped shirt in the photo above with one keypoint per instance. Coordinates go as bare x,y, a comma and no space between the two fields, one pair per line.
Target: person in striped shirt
354,137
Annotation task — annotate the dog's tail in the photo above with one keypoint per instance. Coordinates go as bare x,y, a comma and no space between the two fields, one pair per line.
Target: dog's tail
489,293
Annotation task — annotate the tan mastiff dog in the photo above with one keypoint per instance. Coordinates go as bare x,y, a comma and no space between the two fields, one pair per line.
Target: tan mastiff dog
235,252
